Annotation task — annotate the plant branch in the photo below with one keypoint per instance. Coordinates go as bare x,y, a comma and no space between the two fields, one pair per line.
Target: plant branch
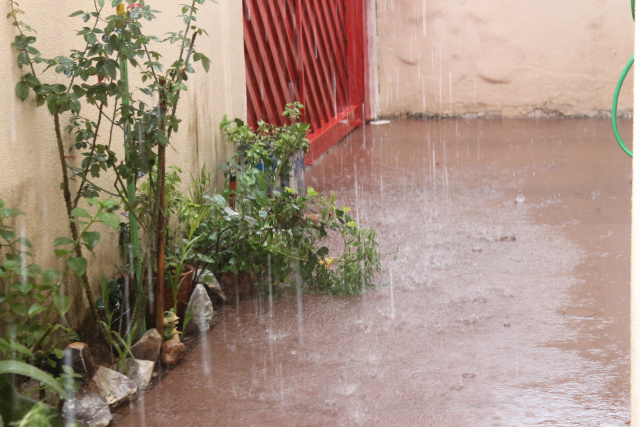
93,150
72,225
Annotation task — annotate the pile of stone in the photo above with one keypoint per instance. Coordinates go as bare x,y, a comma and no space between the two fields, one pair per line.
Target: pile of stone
105,389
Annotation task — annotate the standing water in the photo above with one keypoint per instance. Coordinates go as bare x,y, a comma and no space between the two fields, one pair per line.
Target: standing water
493,250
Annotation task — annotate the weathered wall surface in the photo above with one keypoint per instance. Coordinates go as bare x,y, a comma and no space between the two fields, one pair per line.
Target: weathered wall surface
509,58
29,163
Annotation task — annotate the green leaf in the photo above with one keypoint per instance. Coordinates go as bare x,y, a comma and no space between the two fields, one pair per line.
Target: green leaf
62,303
91,238
5,212
32,80
62,252
311,191
7,235
51,275
110,219
206,63
633,9
52,105
101,3
10,265
19,308
24,241
35,269
78,265
58,88
219,200
21,368
23,287
261,198
110,69
36,309
63,241
76,13
109,204
21,348
22,90
262,181
79,212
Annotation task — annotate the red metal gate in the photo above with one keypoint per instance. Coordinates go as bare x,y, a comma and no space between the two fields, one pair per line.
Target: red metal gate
311,51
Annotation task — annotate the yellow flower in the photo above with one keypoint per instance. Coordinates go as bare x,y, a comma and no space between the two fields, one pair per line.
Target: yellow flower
326,262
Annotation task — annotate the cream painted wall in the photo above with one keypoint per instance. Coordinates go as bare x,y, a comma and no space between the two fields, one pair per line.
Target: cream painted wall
511,58
29,165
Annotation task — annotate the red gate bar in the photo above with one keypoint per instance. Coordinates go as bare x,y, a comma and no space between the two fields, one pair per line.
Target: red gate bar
312,51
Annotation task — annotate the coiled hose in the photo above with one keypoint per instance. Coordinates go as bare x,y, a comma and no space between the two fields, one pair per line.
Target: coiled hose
614,109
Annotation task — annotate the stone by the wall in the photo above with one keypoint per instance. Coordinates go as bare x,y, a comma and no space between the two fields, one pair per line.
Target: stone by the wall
201,309
140,371
115,387
89,409
80,359
148,347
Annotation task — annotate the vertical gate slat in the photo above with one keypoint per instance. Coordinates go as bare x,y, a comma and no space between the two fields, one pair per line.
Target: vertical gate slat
256,100
336,56
319,108
273,72
259,63
277,55
287,67
285,36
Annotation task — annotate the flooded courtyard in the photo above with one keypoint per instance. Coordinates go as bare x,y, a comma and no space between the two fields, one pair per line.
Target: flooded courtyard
504,297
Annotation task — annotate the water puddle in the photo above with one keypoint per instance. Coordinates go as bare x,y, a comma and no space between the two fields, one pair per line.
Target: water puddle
502,310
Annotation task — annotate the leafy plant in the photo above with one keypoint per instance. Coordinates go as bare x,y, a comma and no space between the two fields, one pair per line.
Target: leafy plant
18,410
97,80
277,234
120,347
29,293
348,271
33,305
269,148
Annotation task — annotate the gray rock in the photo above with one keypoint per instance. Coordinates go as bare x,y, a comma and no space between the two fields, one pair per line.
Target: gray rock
148,347
77,354
113,386
89,409
212,286
201,309
140,371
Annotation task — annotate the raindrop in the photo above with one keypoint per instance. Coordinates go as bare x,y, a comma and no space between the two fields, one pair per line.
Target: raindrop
424,18
391,301
69,384
440,53
450,96
300,307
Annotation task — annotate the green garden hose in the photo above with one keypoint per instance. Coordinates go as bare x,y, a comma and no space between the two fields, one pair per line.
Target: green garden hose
614,109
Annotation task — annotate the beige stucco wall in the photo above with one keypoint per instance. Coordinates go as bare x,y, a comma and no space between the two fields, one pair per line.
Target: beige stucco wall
513,58
29,165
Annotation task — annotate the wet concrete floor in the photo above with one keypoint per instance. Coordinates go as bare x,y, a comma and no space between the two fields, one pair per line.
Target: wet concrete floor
507,305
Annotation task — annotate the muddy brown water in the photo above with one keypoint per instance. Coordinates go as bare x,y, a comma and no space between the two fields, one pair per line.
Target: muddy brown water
508,304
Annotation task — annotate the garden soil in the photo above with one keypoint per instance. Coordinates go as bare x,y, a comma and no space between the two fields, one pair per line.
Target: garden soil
504,297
